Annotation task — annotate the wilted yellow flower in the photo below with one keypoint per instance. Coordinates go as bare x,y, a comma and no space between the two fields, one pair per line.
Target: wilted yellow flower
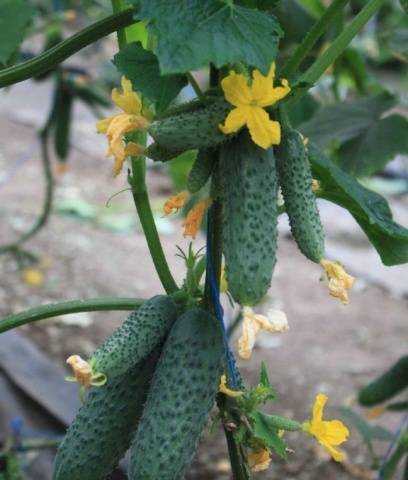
259,460
315,185
227,391
117,126
176,202
275,322
195,217
32,277
82,370
328,433
250,103
339,280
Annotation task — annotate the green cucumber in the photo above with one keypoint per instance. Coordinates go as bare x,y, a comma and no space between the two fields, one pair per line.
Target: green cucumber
180,398
404,5
192,130
250,213
136,337
201,170
63,112
295,179
387,385
103,428
157,153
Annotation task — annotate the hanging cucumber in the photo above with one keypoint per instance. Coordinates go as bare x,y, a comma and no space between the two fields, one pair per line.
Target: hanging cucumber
181,396
250,212
136,337
102,430
62,119
295,179
157,153
201,170
387,385
192,130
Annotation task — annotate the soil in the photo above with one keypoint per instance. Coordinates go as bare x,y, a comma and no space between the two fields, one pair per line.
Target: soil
329,348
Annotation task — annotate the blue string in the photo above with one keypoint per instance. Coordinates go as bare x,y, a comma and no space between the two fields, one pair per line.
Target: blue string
219,312
390,449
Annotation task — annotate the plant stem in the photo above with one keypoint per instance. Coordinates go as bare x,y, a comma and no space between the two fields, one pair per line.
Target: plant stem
311,38
195,86
341,42
117,7
140,196
55,55
65,308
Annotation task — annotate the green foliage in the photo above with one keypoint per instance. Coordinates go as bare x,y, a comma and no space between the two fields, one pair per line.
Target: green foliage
295,179
141,67
193,33
15,16
387,385
370,210
181,396
103,428
249,190
368,432
266,431
179,169
365,141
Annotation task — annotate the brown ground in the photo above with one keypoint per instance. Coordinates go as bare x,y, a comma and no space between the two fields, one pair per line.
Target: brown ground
329,347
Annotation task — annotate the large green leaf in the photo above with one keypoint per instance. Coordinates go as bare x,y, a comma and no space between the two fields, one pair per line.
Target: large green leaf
365,140
194,33
15,16
370,210
142,68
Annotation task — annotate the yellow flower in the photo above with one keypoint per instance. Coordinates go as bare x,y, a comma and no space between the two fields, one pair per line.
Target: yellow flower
259,460
227,391
195,216
339,280
315,185
117,126
83,373
250,103
328,433
32,277
275,322
176,202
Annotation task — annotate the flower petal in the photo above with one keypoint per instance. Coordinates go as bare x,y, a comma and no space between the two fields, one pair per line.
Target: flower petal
264,132
102,125
274,94
262,84
128,101
337,455
335,432
227,391
318,407
236,89
235,120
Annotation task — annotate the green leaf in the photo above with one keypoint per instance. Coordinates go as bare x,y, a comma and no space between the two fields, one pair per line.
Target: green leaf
267,433
373,149
193,33
263,377
15,16
345,121
368,432
370,210
141,67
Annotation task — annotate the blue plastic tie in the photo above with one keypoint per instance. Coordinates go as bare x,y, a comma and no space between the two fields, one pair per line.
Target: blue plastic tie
219,312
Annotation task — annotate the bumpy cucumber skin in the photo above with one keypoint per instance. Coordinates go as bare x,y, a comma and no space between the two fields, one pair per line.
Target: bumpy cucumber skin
295,179
136,337
157,153
199,129
250,213
387,385
181,395
103,428
201,170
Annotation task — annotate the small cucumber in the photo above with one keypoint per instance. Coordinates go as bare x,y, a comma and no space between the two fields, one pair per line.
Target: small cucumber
295,179
201,170
63,112
250,213
136,337
192,130
404,6
102,430
157,153
387,385
180,398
